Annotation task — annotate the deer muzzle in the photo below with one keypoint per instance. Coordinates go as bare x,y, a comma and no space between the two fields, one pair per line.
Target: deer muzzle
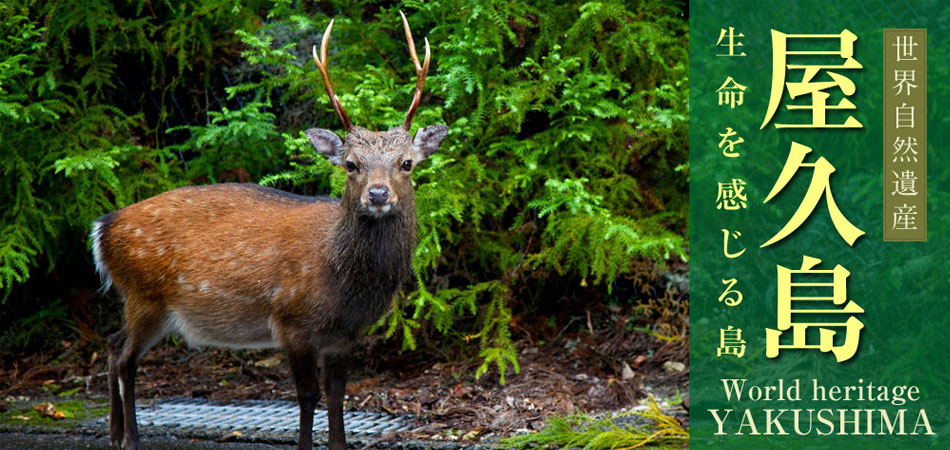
379,199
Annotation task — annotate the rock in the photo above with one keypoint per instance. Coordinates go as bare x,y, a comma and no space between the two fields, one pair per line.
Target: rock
627,372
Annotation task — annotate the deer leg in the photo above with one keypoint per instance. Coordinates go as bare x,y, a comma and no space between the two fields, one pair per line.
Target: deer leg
335,368
303,368
116,417
144,326
125,367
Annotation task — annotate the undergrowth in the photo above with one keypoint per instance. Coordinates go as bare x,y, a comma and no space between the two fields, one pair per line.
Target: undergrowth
650,429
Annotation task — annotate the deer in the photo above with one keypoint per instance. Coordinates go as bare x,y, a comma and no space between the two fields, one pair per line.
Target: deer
246,266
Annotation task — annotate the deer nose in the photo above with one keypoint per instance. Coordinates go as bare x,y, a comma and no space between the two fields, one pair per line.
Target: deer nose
378,194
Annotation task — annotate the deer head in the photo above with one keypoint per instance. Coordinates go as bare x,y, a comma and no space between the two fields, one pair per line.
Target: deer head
378,163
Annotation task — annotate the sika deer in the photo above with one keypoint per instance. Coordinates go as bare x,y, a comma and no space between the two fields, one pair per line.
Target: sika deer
245,266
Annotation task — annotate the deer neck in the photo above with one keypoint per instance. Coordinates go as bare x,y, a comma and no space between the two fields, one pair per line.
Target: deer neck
372,258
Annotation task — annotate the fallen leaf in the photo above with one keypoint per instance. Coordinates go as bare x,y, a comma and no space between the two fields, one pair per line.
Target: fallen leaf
566,406
19,417
268,363
230,436
639,360
471,435
49,410
528,404
460,390
674,366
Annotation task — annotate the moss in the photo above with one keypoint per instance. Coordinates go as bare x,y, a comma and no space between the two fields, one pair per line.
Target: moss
78,413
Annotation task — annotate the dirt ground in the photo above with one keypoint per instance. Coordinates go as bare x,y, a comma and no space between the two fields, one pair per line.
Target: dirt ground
598,362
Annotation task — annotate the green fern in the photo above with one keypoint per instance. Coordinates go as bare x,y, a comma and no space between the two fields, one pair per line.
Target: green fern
650,427
585,237
565,160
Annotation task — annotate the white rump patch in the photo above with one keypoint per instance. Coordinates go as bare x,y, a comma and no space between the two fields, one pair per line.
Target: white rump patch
96,237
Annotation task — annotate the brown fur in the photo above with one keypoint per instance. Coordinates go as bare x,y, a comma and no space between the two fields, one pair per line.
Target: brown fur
244,249
241,265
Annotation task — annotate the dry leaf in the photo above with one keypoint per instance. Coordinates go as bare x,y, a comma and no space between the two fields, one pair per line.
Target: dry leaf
49,410
460,390
638,360
230,436
471,435
268,363
19,417
674,366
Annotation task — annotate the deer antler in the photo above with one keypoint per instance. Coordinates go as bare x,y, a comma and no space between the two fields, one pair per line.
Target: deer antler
421,71
321,62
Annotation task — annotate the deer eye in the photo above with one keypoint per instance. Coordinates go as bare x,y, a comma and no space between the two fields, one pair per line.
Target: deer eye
351,167
407,165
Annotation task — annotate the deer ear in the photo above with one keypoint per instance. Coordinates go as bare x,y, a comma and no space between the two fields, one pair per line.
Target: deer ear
326,143
427,140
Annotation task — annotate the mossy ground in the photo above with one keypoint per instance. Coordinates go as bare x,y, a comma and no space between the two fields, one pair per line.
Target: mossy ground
21,416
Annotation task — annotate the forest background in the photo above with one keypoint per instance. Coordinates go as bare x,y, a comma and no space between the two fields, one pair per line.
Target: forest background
561,187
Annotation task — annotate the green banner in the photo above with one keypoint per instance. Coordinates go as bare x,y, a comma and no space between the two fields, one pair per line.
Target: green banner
808,329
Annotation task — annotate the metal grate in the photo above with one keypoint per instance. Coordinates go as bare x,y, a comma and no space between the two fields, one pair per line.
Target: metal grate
257,416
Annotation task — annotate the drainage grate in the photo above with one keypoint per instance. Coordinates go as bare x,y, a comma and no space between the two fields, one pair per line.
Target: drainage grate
257,416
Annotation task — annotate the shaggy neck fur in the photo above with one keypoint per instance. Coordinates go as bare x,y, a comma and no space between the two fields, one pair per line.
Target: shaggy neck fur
372,259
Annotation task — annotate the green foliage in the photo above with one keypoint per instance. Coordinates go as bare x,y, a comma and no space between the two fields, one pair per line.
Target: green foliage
229,141
588,240
24,226
588,433
562,164
69,154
